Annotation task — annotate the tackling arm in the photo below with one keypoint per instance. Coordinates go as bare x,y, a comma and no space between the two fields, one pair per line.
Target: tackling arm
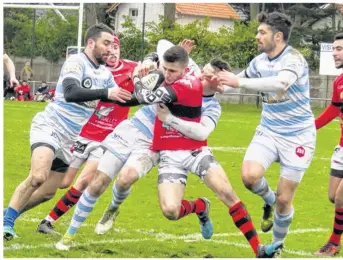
197,131
281,82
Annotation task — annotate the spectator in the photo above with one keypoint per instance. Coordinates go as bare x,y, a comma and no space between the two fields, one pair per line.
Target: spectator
52,94
42,92
26,72
23,91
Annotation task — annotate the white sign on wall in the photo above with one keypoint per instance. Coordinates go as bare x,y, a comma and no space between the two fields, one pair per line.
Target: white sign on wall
327,64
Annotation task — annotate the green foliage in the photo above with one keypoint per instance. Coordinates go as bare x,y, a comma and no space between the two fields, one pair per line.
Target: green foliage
235,45
131,41
52,35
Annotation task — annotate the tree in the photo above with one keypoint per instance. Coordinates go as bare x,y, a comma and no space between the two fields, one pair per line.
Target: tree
131,40
237,51
52,35
303,37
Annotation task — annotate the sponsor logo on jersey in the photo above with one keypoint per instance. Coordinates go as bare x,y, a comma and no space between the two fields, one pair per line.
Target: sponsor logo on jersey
87,82
103,111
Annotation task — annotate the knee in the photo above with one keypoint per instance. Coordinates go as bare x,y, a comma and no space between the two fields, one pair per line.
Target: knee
65,184
338,200
332,198
49,195
283,201
37,180
127,178
171,212
83,182
99,184
250,176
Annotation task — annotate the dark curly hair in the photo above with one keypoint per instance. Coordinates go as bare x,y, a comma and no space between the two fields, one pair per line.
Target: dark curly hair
338,36
278,22
220,65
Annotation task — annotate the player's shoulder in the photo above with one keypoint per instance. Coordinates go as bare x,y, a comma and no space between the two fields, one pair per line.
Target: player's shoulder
261,57
129,63
188,80
78,57
292,53
338,80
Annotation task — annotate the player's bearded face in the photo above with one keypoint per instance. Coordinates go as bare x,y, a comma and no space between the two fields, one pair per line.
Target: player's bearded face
338,53
103,48
265,39
173,71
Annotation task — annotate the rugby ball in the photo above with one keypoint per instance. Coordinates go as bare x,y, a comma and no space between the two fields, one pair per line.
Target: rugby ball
153,80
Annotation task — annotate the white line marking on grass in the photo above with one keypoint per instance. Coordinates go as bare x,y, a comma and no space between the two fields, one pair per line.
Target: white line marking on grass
161,236
94,242
198,236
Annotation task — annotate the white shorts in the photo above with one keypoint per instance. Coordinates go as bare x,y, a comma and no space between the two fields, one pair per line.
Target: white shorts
337,162
174,166
294,153
132,147
85,150
42,132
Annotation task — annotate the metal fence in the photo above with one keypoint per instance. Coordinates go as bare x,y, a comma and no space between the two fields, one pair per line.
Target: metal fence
324,101
36,84
321,102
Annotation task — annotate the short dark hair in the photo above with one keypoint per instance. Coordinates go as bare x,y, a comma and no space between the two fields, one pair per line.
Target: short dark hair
338,36
176,54
278,22
24,81
219,64
95,31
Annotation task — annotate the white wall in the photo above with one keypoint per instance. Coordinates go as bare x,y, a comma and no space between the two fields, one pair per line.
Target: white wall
327,22
215,23
152,13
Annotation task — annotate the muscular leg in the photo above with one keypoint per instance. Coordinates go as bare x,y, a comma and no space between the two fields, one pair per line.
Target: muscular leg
332,247
71,197
170,196
284,210
41,162
334,182
68,178
111,165
217,181
45,192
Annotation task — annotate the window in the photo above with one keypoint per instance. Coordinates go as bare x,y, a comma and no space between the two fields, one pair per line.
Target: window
133,12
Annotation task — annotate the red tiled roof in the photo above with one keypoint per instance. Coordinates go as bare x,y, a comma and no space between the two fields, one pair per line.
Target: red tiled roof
220,10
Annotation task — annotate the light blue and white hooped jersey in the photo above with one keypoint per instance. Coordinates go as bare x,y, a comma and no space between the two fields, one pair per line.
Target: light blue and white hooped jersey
144,118
69,117
287,113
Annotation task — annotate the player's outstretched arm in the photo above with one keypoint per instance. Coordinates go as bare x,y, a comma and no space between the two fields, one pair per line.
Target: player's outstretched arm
329,114
11,70
73,92
281,82
197,131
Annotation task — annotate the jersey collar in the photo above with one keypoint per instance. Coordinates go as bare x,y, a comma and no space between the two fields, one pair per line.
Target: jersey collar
95,65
